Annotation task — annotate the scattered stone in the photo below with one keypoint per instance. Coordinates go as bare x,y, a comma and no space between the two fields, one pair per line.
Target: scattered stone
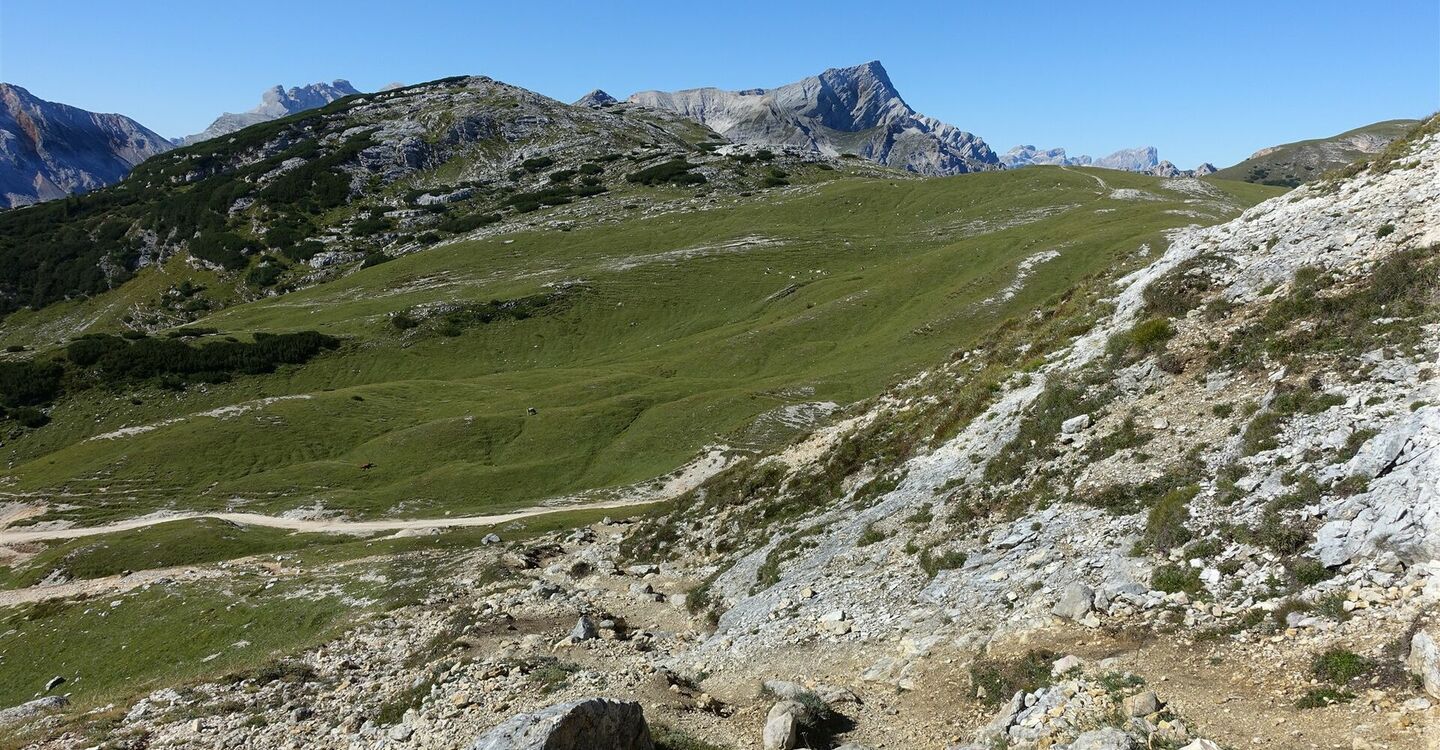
1075,424
1142,704
1065,664
584,629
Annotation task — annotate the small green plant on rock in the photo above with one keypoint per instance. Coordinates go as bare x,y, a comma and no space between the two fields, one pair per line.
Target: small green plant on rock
996,680
1340,666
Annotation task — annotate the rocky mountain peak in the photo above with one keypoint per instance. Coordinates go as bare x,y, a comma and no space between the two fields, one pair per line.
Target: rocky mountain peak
279,101
1138,159
275,103
854,110
50,150
596,98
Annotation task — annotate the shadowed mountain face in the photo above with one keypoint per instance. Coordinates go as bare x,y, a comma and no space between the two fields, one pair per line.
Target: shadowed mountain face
843,110
275,103
50,150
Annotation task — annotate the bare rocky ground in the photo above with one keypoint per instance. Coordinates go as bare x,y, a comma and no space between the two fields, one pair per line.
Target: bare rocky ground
559,620
1196,508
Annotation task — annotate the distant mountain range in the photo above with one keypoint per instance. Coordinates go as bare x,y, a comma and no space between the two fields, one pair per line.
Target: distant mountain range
275,103
854,110
50,150
1145,159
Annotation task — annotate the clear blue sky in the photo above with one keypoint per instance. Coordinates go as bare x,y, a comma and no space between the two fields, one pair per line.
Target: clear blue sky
1203,81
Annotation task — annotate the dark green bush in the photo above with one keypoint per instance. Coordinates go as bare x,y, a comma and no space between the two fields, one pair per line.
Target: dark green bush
1339,666
1176,578
117,360
675,171
371,225
467,223
29,416
29,383
264,275
1165,525
225,249
1322,697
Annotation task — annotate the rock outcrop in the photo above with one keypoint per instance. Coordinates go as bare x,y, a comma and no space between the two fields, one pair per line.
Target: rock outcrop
275,103
26,711
50,150
576,725
853,110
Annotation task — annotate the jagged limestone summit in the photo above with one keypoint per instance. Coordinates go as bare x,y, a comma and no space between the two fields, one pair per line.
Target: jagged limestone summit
275,103
853,110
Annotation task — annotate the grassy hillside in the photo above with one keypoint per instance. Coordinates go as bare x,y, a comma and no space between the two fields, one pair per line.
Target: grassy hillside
1291,164
638,341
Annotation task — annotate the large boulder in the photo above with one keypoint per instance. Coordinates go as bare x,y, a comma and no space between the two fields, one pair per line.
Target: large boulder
1075,602
782,726
1424,661
578,725
1142,704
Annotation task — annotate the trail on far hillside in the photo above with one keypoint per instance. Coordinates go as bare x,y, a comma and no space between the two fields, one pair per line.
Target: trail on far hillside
311,525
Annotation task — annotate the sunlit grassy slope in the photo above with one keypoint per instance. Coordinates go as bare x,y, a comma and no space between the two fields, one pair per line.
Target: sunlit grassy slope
681,330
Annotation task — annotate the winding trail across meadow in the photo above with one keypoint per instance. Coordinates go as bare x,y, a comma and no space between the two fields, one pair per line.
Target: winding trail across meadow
315,526
115,584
